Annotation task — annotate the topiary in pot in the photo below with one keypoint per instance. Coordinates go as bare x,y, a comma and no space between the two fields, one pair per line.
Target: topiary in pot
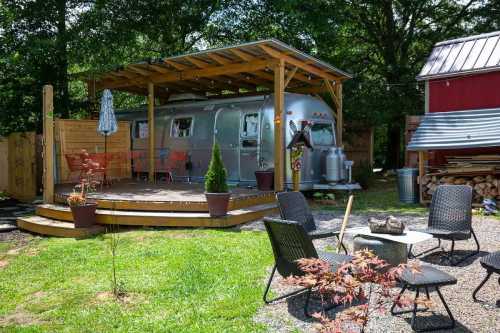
216,189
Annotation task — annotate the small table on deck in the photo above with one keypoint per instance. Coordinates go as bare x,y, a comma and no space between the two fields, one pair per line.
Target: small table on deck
392,248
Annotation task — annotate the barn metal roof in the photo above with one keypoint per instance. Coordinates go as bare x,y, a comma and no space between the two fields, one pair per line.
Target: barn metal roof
480,53
458,129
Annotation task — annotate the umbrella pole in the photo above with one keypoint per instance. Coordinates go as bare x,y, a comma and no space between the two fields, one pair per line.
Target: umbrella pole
105,157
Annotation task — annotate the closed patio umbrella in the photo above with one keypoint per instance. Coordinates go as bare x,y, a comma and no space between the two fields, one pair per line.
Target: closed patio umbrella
107,121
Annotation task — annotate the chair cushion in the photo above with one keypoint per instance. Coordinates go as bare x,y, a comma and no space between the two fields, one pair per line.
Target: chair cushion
448,234
317,234
428,276
491,261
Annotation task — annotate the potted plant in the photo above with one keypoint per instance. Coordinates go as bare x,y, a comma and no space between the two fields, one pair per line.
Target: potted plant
265,179
216,189
82,209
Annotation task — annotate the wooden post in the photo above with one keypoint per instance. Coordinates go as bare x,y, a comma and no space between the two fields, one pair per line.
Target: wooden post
48,144
345,221
421,173
279,138
151,131
340,120
296,180
91,95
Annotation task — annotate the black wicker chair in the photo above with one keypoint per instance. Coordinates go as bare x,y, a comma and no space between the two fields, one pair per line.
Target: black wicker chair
293,207
491,263
290,242
450,218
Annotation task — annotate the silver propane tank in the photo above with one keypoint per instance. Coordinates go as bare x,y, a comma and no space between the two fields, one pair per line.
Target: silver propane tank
342,167
333,166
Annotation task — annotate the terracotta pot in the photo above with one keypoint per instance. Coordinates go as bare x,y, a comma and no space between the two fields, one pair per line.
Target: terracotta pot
265,180
84,216
217,203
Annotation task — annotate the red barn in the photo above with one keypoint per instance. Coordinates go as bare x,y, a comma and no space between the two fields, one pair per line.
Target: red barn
461,125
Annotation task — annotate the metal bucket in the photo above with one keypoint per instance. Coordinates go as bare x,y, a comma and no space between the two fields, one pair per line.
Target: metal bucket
407,185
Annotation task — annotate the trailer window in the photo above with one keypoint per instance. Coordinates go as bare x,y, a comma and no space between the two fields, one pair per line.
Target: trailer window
322,134
182,127
141,129
250,125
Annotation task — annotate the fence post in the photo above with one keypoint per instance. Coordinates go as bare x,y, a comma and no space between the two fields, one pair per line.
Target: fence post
48,144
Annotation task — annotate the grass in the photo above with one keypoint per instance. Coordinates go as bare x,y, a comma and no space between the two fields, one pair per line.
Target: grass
176,280
382,196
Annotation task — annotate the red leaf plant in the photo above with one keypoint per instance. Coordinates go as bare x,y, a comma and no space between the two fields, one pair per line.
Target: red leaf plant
88,182
366,279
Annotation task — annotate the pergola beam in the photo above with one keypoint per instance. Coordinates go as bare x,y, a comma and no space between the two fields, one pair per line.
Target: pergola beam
290,76
298,63
189,74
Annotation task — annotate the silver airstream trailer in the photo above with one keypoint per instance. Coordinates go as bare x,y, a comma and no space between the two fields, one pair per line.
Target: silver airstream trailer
244,129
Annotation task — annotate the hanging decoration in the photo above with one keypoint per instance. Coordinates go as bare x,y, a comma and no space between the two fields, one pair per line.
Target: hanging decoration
299,140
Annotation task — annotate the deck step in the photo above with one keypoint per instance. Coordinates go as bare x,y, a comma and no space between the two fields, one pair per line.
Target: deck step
50,227
154,218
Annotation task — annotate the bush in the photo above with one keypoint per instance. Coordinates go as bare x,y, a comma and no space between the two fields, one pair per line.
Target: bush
363,174
215,178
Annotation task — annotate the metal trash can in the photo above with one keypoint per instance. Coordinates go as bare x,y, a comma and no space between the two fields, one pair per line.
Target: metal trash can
407,185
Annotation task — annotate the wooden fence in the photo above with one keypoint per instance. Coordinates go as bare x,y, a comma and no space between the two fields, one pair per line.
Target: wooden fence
358,145
4,164
411,157
71,136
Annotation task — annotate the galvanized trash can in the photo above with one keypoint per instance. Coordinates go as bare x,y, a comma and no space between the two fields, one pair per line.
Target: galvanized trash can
407,185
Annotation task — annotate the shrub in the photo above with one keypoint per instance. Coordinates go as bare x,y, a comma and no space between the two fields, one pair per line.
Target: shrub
87,181
363,174
215,178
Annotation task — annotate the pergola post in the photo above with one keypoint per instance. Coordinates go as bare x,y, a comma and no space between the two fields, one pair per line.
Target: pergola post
91,95
151,132
48,144
340,120
279,138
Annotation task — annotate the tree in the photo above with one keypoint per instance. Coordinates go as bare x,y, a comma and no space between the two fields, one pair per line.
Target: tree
382,42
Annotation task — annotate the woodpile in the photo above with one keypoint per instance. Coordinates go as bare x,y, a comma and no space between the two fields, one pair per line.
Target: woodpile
467,165
487,186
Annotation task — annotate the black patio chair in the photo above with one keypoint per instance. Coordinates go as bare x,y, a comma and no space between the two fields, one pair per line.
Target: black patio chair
491,263
293,207
450,218
429,279
290,242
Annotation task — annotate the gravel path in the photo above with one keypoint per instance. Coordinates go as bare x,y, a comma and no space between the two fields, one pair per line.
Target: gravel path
287,315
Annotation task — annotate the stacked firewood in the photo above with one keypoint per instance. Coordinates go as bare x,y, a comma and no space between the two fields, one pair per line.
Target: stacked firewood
484,186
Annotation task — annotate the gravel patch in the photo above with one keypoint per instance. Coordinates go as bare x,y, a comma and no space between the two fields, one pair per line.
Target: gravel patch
287,315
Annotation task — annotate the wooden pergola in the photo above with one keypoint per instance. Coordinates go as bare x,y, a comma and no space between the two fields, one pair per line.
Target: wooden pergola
260,67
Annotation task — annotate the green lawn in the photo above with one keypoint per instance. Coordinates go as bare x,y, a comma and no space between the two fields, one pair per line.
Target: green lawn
381,196
177,281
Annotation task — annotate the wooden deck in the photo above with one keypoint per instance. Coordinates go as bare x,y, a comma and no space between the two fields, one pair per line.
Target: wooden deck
143,204
175,197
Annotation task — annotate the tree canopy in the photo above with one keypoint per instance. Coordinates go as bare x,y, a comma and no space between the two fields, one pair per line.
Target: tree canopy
382,42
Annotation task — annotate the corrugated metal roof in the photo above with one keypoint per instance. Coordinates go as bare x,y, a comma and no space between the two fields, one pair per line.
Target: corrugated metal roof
458,129
473,54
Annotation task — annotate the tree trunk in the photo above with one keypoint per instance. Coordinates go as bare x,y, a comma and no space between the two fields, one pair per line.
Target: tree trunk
62,60
393,152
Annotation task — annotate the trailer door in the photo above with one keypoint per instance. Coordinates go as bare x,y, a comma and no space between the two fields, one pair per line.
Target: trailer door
226,133
249,137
